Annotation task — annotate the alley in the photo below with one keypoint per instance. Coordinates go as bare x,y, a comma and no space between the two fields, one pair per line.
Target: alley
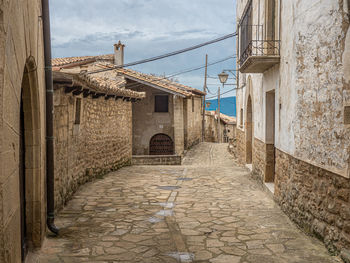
207,210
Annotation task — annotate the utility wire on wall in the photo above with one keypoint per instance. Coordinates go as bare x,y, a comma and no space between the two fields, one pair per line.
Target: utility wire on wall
168,54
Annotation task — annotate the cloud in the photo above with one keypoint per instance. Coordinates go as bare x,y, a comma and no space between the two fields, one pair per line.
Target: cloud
148,28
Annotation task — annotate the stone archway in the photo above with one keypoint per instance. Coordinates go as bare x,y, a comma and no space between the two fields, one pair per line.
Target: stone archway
249,131
31,170
161,144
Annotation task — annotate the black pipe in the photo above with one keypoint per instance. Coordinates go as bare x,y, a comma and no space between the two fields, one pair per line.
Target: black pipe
50,221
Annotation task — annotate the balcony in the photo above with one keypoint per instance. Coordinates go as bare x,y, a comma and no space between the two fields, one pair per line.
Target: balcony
259,56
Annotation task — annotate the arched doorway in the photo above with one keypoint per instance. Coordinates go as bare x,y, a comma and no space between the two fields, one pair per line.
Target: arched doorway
249,131
30,160
161,144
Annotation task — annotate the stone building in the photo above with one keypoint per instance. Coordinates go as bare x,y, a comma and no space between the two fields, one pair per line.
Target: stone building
227,127
22,129
169,120
293,106
92,124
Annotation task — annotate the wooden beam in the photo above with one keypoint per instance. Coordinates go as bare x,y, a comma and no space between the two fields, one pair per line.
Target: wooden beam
86,93
78,91
68,89
97,95
107,97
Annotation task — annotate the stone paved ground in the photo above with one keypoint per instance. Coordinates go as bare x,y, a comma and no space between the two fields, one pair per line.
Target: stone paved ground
216,214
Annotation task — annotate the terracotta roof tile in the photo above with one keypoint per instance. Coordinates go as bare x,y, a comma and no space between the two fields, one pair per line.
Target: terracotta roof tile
161,82
107,82
59,62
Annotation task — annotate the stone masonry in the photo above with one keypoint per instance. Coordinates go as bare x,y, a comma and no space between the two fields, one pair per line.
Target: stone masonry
101,143
21,81
240,136
263,160
315,199
207,210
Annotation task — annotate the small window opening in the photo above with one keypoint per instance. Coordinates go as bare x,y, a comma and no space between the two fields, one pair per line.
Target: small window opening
161,103
77,111
241,117
192,104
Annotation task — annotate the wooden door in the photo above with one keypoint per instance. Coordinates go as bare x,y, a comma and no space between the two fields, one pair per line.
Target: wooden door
161,144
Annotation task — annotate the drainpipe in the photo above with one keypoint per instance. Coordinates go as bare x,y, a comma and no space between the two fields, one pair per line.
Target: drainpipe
50,221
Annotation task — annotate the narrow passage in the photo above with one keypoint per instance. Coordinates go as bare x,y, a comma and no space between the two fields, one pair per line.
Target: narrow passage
207,210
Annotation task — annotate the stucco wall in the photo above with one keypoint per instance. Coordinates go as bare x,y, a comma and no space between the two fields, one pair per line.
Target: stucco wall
101,143
147,122
21,46
310,84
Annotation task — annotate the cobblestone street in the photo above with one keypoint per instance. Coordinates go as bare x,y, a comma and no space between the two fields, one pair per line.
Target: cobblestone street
207,210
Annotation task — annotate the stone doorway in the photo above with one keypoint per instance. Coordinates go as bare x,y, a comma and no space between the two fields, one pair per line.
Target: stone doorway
161,144
249,131
270,138
30,170
22,189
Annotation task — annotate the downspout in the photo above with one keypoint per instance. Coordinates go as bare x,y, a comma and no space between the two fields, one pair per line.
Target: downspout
50,220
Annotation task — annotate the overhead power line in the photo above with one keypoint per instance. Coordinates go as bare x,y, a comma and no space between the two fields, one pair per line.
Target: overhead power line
224,93
182,72
198,68
168,54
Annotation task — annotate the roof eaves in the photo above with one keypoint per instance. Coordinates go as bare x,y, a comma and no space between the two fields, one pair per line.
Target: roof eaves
154,85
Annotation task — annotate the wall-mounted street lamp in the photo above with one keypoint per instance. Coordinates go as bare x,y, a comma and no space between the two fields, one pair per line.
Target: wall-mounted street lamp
223,76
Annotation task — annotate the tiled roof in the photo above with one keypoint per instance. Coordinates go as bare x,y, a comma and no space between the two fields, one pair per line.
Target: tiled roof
107,82
224,118
160,82
60,62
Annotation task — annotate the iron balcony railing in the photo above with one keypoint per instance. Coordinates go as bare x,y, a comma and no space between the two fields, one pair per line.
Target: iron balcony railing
260,48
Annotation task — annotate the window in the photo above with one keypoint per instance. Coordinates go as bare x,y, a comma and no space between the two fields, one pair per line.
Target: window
77,111
270,17
161,103
192,104
241,118
246,32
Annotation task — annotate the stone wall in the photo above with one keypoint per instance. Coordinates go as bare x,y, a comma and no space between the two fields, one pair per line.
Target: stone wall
263,161
193,128
240,137
101,143
259,156
179,135
211,129
316,199
156,160
21,81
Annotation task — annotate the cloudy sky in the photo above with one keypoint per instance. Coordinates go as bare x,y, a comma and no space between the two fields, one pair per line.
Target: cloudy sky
148,28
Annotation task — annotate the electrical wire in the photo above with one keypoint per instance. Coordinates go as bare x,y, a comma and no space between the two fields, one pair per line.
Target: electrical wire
224,93
168,54
182,72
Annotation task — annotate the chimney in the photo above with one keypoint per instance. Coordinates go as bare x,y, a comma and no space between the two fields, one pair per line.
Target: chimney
119,54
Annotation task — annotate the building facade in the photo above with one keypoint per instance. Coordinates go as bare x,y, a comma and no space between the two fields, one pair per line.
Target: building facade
293,122
169,120
22,129
227,127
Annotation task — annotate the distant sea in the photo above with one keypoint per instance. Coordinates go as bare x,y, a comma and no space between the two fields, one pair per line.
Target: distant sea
227,105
